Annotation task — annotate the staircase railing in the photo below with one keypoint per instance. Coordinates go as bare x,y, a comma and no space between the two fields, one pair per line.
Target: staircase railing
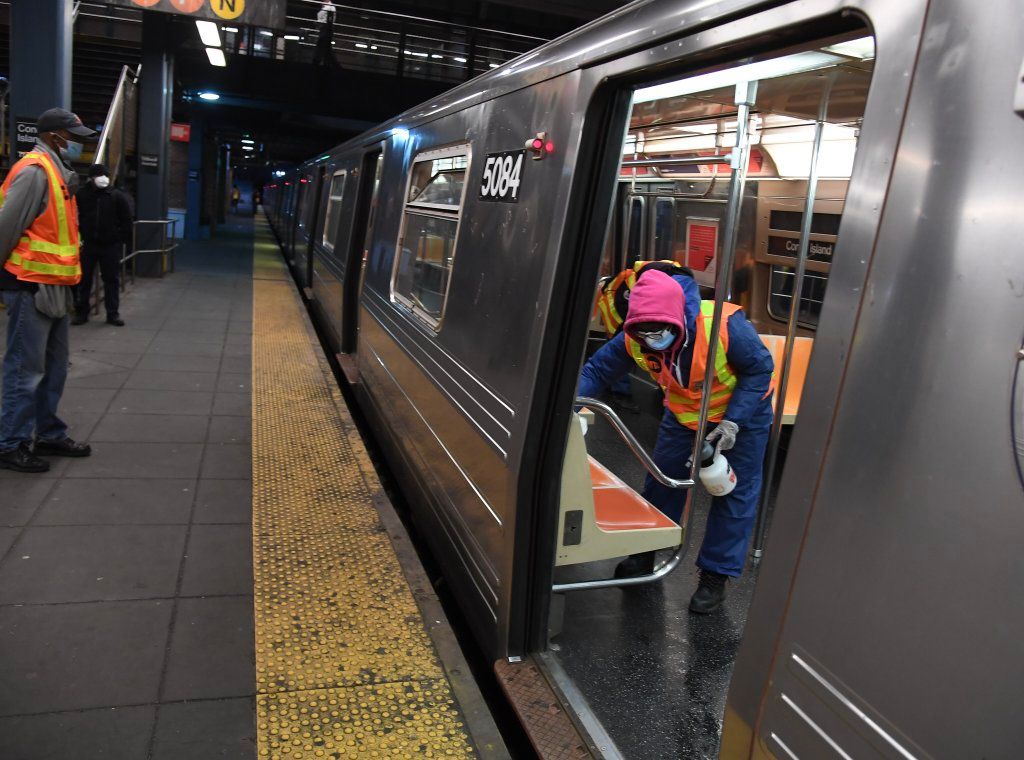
118,137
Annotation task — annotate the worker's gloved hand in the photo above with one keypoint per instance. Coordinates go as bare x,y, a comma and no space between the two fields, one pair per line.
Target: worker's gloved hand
724,436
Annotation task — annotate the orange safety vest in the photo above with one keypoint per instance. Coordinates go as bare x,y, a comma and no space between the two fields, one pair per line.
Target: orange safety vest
684,403
610,317
47,252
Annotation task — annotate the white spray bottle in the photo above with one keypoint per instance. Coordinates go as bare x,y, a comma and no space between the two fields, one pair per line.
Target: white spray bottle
715,472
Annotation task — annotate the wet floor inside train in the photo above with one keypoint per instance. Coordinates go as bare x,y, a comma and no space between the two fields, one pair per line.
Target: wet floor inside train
654,675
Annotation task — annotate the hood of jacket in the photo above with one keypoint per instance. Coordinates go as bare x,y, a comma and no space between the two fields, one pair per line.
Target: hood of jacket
674,300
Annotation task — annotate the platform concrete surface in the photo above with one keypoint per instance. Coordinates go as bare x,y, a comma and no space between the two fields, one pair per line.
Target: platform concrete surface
126,621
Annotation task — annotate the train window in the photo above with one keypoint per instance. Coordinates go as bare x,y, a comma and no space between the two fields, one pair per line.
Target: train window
664,222
430,225
334,206
781,295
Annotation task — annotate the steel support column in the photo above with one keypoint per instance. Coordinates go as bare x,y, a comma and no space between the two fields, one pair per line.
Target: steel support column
156,91
194,202
40,60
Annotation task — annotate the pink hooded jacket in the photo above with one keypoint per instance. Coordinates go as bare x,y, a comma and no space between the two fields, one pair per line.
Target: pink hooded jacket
657,297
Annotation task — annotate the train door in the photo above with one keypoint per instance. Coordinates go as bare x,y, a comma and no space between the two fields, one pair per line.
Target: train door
359,246
631,506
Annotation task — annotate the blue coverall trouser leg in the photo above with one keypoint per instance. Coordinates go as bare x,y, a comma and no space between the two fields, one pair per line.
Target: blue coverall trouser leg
732,517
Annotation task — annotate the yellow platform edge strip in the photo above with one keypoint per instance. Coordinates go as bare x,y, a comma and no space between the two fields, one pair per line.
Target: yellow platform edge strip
344,665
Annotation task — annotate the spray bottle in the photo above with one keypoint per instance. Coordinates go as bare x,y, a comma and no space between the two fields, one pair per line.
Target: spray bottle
715,472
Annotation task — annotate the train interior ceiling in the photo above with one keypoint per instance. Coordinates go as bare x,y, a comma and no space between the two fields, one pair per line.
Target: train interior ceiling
673,668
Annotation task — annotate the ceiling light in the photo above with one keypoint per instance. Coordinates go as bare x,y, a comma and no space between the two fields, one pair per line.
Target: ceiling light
292,37
362,45
751,72
247,142
232,29
209,96
373,47
216,56
266,33
435,55
208,33
493,65
248,147
460,60
419,55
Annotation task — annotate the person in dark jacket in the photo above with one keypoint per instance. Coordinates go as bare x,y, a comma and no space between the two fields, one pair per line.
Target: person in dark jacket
665,333
105,224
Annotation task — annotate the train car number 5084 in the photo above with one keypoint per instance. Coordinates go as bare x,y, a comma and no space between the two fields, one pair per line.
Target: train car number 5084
501,178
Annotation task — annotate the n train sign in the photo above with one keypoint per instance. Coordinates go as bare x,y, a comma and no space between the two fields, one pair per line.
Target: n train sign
267,13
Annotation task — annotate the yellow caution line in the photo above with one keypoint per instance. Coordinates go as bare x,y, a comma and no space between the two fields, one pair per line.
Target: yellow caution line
344,665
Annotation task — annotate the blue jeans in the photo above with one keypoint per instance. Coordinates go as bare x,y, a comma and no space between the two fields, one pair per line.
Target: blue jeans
35,369
732,517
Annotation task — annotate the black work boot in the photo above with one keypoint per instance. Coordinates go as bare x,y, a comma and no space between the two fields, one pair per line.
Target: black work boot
710,592
62,447
79,319
635,565
20,459
115,320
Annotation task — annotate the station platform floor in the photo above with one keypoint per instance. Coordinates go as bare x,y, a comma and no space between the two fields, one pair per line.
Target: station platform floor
223,577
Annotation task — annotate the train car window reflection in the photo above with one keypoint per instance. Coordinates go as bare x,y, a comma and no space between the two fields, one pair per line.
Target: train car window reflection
334,206
781,298
430,225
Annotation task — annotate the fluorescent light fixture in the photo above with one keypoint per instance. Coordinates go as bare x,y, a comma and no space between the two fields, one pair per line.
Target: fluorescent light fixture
863,48
362,45
247,142
435,55
373,47
209,96
232,29
216,56
292,37
208,33
248,147
493,65
751,72
418,55
460,60
266,33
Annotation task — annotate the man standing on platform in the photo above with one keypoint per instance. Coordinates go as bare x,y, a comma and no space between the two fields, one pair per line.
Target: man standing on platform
40,267
105,222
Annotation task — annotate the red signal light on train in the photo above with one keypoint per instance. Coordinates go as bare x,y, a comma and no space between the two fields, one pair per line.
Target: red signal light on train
539,145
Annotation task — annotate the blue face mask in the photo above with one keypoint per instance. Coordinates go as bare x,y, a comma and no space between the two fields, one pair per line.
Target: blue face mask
73,151
658,340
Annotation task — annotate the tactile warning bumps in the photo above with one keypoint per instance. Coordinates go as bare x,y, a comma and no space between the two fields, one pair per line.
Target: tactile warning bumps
344,666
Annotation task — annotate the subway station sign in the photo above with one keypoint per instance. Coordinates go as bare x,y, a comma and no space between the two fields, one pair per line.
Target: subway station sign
268,13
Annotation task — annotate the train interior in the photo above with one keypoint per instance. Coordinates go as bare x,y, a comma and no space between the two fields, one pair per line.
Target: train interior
634,656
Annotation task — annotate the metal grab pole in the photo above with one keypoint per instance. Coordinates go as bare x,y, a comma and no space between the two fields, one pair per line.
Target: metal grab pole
794,313
746,95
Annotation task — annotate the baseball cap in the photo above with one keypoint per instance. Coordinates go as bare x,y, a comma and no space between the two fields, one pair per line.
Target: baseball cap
57,118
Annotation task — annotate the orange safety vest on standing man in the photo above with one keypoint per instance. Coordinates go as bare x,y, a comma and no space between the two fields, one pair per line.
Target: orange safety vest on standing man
47,252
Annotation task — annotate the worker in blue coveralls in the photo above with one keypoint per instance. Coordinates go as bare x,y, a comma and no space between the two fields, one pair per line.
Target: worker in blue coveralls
666,333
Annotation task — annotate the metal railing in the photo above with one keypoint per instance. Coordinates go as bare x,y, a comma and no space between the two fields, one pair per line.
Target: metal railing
165,250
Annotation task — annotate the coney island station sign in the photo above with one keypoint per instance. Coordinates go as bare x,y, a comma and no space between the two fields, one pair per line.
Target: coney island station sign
266,13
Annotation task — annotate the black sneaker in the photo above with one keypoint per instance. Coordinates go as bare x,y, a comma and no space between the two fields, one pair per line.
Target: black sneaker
635,565
710,592
79,319
63,447
21,459
115,320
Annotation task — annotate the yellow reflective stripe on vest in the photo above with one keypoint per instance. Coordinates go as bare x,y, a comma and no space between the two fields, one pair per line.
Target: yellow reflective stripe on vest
53,248
722,369
38,267
57,194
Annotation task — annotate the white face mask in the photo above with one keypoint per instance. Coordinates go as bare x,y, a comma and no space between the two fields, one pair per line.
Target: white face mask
101,182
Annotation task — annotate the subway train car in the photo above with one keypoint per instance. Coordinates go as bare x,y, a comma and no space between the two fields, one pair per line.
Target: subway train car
861,158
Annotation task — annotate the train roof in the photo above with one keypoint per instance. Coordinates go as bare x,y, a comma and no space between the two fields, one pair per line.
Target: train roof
636,25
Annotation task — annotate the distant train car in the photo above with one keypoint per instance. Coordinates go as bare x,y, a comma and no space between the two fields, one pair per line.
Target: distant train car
846,171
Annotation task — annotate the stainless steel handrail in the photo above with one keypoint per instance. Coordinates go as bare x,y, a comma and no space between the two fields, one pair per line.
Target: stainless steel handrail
761,525
115,116
166,251
626,434
682,161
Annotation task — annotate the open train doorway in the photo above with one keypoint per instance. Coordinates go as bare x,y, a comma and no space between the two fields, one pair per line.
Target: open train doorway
727,211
